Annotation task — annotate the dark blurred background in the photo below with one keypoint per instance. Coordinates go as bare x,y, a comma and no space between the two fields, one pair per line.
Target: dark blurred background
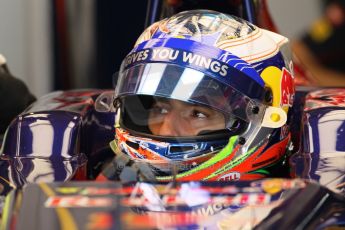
91,38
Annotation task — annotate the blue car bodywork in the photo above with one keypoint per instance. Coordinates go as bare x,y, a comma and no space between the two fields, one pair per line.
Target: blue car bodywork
64,138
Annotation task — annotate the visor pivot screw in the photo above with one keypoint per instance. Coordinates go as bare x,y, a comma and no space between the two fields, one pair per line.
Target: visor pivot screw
241,140
116,103
255,110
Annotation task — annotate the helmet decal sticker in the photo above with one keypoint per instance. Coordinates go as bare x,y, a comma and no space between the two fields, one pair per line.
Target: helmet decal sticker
287,89
189,53
281,84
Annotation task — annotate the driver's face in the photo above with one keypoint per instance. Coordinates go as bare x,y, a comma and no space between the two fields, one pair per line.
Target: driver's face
176,118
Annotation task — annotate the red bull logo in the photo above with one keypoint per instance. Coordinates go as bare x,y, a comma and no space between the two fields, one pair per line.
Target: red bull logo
287,88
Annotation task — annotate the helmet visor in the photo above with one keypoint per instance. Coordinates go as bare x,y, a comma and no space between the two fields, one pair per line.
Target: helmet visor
184,84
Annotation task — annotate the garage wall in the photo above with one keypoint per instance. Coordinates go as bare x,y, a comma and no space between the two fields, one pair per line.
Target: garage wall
25,37
292,17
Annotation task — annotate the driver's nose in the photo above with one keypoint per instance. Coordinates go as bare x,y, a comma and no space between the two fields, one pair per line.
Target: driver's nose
169,126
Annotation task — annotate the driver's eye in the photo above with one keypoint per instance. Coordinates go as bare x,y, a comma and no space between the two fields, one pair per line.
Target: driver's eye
157,109
198,114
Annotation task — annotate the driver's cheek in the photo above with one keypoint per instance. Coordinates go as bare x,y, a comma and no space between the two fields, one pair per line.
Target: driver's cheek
198,125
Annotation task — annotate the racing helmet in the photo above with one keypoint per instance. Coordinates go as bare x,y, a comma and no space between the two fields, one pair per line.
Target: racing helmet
204,96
